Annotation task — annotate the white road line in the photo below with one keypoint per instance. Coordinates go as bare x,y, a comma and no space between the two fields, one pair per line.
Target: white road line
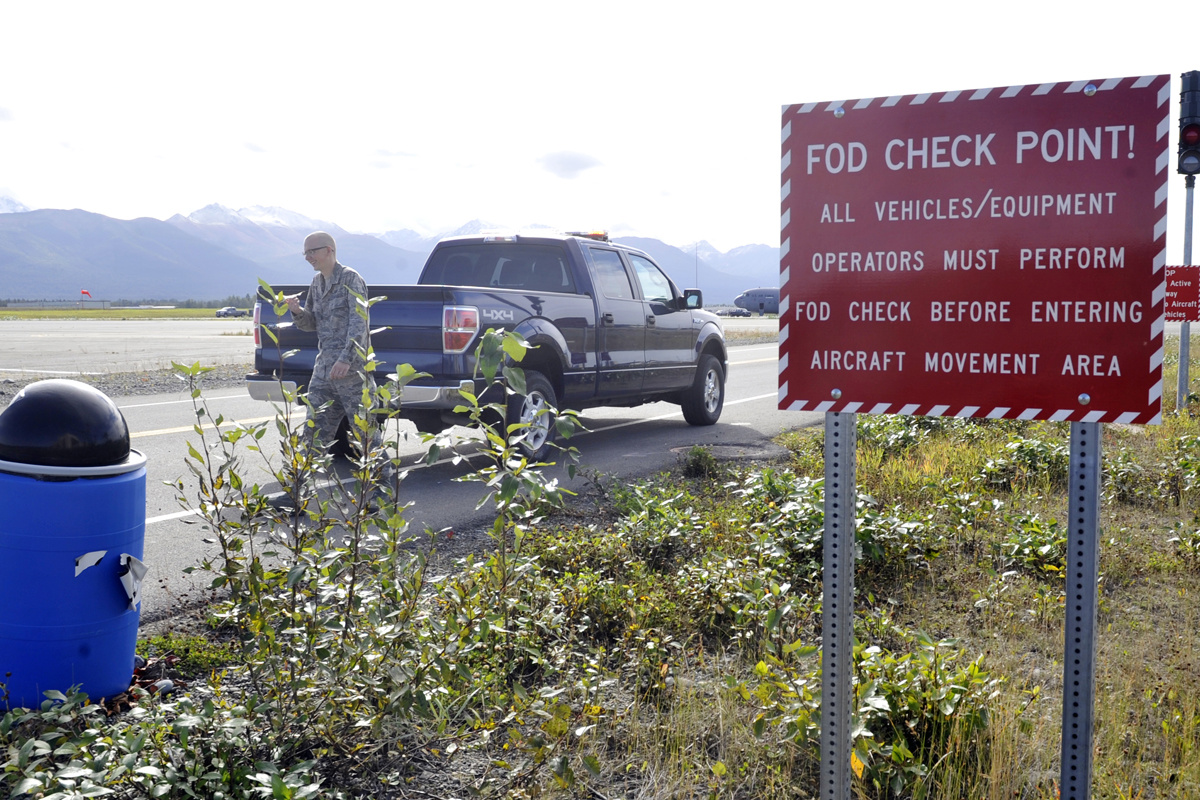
49,372
752,399
675,414
229,423
177,515
185,400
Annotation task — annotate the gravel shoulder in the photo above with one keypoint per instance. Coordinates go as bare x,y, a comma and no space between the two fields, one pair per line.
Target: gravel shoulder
129,384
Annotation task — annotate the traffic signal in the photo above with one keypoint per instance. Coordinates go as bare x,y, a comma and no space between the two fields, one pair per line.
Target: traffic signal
1189,124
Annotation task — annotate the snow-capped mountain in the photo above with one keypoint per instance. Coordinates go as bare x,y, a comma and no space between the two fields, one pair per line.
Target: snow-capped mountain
216,251
282,218
10,206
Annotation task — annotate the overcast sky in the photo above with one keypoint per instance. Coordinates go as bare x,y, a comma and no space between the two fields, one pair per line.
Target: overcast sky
652,118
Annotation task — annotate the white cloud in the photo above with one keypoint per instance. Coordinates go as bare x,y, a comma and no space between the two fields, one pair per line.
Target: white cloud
566,164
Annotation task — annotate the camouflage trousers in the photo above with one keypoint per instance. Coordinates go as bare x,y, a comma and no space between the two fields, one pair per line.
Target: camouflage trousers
344,399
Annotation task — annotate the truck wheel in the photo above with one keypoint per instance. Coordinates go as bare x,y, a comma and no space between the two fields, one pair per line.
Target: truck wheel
529,407
703,400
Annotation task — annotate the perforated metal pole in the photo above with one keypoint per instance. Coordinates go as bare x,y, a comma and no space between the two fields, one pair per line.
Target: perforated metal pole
1079,652
1185,333
837,606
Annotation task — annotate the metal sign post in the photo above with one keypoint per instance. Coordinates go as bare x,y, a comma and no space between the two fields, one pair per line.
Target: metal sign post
1079,638
1185,333
837,606
1188,165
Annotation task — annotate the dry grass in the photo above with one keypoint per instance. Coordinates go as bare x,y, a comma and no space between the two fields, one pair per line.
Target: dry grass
735,337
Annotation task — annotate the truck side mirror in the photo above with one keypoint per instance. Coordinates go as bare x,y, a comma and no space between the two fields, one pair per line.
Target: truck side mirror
693,298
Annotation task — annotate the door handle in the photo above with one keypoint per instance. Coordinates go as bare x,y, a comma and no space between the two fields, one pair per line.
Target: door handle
649,319
608,318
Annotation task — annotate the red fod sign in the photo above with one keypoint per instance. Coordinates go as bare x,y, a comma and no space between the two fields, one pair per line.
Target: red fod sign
994,253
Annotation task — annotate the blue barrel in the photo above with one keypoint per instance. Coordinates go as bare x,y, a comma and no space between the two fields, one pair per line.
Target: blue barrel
71,540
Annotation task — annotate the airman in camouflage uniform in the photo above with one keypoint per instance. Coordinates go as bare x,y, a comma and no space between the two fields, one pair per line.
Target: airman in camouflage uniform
343,335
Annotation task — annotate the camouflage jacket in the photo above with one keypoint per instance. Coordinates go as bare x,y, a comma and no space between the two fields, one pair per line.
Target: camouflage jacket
331,310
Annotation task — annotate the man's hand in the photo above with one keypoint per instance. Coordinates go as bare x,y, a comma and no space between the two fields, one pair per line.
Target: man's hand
293,302
339,370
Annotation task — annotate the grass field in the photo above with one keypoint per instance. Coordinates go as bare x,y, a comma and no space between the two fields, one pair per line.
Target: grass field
108,313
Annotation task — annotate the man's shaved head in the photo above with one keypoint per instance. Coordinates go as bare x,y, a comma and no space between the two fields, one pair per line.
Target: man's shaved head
319,239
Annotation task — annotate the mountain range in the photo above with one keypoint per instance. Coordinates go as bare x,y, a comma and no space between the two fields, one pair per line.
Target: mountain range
218,252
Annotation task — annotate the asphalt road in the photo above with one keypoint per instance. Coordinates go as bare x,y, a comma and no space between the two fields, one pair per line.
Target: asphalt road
622,443
79,346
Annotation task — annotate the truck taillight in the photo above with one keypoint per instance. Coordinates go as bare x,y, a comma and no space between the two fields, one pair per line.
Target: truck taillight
257,319
459,326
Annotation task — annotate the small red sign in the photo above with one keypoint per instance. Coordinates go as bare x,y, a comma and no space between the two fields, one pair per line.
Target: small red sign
991,253
1183,294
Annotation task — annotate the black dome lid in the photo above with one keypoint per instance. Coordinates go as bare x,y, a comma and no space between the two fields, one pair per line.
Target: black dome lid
63,423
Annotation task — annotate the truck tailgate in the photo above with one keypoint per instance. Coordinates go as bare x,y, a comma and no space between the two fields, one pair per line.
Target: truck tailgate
406,329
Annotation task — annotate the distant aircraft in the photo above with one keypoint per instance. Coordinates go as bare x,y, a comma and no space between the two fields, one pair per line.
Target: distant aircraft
764,300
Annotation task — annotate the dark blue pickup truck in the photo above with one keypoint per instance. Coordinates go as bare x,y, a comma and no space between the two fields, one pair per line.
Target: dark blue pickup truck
609,329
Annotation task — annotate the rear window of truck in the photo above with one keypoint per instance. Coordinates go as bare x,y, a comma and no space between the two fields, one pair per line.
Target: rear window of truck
530,267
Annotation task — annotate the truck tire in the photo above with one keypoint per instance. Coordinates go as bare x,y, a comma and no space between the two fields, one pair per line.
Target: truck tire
538,397
703,400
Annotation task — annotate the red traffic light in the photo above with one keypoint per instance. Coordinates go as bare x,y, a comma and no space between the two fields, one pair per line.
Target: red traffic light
1189,135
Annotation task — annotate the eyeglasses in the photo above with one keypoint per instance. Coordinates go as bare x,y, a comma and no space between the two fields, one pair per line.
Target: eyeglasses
313,251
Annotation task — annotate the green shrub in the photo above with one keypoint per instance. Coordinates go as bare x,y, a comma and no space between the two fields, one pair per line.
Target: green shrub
700,463
1035,544
1029,461
198,656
